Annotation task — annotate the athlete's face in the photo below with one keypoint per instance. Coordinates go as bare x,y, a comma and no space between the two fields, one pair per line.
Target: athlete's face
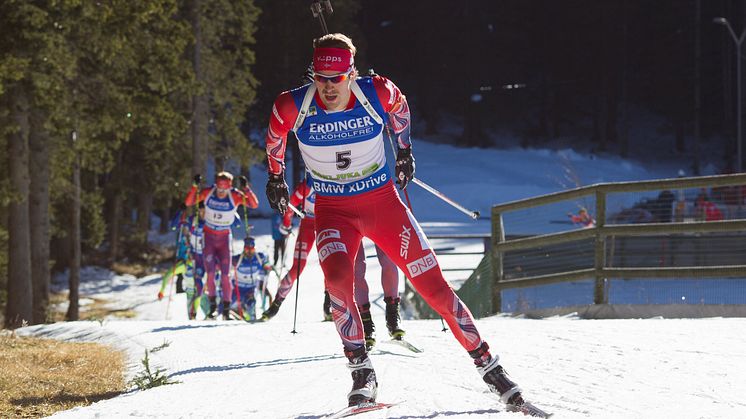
334,88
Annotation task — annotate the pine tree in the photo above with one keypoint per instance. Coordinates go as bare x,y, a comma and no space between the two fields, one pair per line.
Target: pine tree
222,59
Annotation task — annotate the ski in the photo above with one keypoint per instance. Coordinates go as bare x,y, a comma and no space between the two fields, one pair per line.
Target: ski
236,316
360,408
528,409
404,344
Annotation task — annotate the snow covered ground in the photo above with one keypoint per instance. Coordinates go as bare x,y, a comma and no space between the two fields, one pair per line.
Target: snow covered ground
655,368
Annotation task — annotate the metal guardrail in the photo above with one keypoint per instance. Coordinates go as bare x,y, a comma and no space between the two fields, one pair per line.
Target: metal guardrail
600,232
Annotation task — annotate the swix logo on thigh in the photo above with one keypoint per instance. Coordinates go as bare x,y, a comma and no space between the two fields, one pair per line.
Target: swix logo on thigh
329,248
405,235
422,265
329,233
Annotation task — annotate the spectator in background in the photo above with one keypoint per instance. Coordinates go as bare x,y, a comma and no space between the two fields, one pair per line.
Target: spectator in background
663,206
705,210
680,207
582,218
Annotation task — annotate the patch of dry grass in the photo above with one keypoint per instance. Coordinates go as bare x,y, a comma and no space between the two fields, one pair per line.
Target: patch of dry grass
43,376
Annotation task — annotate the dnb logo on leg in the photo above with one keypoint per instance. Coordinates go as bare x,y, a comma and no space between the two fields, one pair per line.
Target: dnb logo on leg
330,248
422,265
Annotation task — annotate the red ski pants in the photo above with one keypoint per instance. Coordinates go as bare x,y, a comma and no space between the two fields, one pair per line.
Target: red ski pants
380,215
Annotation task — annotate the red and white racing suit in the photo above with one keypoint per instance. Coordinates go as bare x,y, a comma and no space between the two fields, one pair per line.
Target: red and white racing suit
219,216
344,153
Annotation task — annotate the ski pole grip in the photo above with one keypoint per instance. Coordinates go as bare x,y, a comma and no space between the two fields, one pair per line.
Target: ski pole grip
297,212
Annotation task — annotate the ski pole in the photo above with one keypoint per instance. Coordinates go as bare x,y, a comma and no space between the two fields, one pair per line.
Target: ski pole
263,290
170,290
235,278
473,214
299,249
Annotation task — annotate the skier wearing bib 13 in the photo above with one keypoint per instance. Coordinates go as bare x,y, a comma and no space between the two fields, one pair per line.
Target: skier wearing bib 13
339,120
221,204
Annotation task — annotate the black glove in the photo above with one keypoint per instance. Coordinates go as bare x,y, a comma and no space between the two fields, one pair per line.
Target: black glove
197,179
277,193
243,182
404,167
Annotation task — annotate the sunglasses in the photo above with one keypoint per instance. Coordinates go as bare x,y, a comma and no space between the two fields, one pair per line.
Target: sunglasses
337,78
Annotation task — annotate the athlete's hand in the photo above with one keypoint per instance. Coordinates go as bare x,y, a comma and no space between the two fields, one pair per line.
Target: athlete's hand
197,179
160,295
285,230
404,167
243,182
277,193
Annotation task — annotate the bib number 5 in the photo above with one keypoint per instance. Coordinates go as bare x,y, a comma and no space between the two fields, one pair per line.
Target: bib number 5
343,159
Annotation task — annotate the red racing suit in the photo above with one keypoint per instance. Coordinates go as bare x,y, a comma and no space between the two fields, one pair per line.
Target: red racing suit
219,216
344,153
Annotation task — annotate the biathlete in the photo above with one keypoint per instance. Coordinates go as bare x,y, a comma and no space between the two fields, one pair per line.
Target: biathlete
221,204
339,120
252,270
192,284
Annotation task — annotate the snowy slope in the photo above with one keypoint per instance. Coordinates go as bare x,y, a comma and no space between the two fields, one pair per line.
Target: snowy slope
575,368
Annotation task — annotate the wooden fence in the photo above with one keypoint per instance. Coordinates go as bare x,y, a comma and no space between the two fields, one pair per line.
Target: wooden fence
602,233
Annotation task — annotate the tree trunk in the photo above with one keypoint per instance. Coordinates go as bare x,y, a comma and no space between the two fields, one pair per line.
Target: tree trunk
165,218
39,214
199,101
144,208
19,308
114,224
73,309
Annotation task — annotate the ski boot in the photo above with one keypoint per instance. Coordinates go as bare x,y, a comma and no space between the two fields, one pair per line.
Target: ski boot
180,284
213,307
364,384
392,317
368,326
192,307
250,311
496,378
327,307
226,310
273,309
